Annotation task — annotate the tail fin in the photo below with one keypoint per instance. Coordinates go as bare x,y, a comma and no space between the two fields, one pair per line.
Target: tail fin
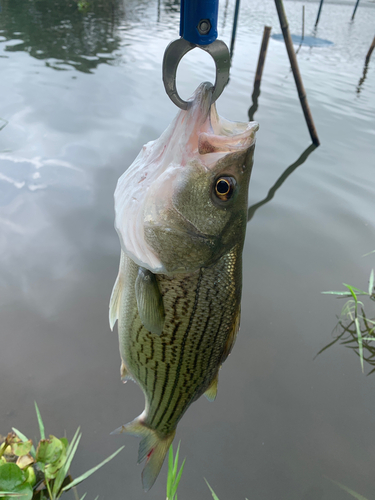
152,448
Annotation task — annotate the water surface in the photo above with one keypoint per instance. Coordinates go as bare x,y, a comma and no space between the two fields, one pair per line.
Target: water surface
81,93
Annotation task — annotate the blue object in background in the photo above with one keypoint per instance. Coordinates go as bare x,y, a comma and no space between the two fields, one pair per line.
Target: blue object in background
198,21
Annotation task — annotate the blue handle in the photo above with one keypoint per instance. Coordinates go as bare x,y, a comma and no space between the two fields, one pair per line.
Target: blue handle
198,21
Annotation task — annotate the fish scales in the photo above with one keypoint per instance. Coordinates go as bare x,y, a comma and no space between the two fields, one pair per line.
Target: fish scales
190,349
181,215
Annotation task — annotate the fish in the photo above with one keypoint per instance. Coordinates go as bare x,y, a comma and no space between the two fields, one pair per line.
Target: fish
181,216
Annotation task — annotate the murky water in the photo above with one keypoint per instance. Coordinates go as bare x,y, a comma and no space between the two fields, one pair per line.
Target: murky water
81,92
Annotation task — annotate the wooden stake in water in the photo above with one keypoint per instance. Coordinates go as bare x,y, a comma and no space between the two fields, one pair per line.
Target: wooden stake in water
234,29
319,11
355,9
262,54
303,23
296,73
259,71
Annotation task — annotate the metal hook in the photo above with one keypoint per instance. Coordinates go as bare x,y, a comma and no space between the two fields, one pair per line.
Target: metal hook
176,51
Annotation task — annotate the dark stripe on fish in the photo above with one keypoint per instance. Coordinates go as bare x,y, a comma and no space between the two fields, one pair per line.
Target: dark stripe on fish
198,353
155,376
178,369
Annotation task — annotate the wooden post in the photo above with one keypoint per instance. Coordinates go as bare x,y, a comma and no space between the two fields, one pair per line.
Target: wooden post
303,23
235,19
259,72
319,11
296,73
262,54
372,47
355,9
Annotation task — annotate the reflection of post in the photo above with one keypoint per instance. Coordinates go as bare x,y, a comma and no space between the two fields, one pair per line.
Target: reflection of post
365,68
319,11
296,73
372,47
225,15
355,9
259,71
235,19
271,193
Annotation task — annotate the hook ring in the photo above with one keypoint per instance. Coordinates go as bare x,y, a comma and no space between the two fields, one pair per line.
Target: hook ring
176,51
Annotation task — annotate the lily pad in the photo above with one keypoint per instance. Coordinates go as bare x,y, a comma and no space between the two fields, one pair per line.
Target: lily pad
13,482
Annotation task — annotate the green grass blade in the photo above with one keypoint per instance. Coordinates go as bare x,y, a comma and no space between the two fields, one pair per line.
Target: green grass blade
178,478
355,289
371,282
170,473
348,490
83,496
176,461
91,471
343,294
40,422
360,343
72,448
23,438
214,496
366,254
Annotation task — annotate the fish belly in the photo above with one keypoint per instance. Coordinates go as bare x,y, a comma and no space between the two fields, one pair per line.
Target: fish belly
176,368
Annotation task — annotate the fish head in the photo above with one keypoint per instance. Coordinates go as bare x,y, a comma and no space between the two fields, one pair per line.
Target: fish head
187,192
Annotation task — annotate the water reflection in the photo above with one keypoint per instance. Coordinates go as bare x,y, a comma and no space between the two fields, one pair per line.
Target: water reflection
271,193
62,32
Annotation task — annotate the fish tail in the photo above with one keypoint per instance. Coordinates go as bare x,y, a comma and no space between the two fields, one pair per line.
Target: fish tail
152,448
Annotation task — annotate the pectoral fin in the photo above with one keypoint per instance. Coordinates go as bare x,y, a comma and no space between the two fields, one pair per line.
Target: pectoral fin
212,389
114,303
149,301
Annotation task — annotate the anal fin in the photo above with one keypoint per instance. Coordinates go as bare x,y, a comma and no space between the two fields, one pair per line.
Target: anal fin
211,392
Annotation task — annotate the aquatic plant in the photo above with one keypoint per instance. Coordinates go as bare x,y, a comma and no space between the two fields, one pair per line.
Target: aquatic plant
348,490
357,331
173,478
39,473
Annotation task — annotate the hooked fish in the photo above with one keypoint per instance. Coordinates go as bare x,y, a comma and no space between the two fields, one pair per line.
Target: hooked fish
181,215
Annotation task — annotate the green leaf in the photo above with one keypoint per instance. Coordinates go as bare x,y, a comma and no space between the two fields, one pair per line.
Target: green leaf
360,343
70,452
24,439
40,422
170,473
11,476
214,496
65,442
91,471
348,490
23,448
176,460
354,289
371,282
344,294
178,478
41,451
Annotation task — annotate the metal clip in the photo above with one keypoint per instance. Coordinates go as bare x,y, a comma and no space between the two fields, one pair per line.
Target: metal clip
176,51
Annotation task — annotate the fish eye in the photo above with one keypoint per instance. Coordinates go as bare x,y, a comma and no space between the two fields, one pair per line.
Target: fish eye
224,188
